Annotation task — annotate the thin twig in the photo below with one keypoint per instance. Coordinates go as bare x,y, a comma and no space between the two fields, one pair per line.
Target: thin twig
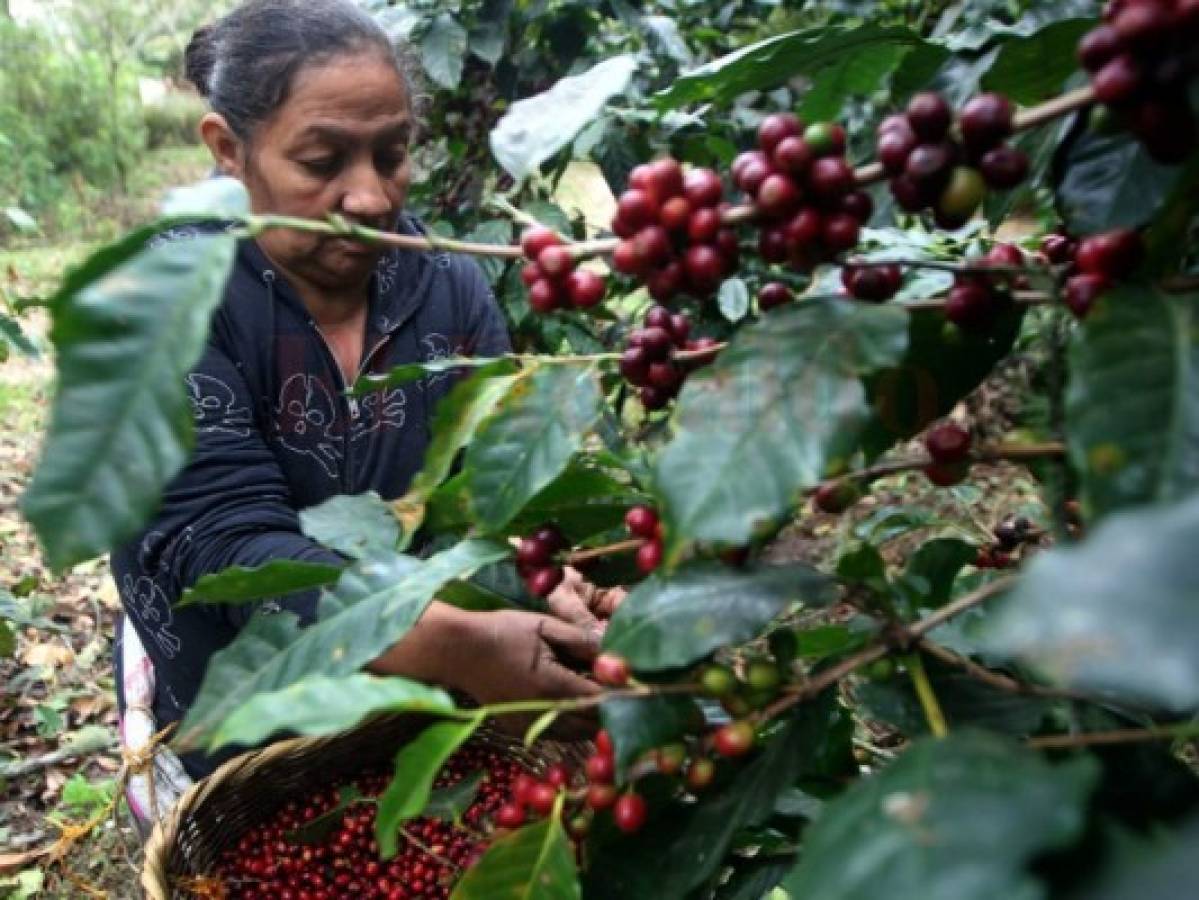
583,556
992,454
1120,736
933,714
992,678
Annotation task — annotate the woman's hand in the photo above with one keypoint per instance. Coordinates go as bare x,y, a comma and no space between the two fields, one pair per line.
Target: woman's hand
578,601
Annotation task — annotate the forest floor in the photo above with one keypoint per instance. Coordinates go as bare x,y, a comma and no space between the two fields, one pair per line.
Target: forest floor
57,693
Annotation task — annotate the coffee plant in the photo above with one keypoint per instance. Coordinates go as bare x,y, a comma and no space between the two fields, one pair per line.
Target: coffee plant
801,292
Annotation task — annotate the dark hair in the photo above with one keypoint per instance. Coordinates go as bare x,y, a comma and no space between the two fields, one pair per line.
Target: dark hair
246,62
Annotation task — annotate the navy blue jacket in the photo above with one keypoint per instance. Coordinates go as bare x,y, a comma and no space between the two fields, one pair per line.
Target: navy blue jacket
275,433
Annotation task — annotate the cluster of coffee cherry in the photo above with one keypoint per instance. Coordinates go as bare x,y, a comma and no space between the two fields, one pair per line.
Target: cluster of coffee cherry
978,298
1010,535
804,191
536,559
642,522
873,283
275,860
1093,263
587,793
648,362
931,168
551,274
671,230
1140,61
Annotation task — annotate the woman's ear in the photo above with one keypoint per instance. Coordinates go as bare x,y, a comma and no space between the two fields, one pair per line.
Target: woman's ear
227,149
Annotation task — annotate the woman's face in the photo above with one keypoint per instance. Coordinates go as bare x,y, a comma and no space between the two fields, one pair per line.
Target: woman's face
339,144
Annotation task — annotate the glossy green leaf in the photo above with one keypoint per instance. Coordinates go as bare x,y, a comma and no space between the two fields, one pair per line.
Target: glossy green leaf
680,850
214,197
13,335
277,578
534,863
373,605
1109,181
1031,69
942,364
319,706
536,128
765,420
890,522
1116,614
443,51
932,570
8,640
457,418
953,819
775,60
409,372
1170,873
352,525
851,75
669,621
583,501
1133,429
128,325
416,767
450,802
529,440
638,724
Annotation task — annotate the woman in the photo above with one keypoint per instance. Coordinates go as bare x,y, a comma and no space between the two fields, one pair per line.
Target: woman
313,112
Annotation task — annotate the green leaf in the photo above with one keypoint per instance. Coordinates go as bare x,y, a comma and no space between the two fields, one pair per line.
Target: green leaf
669,621
1116,614
20,220
416,767
583,501
534,863
765,420
319,705
352,525
318,830
408,372
852,75
1133,430
1168,874
638,724
214,197
443,51
529,440
13,335
953,819
776,60
450,802
536,128
682,849
890,522
277,578
8,640
83,799
458,417
1109,181
1031,69
373,605
733,299
932,570
941,366
128,326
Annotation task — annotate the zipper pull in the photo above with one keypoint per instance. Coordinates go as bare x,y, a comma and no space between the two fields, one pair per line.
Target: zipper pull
353,404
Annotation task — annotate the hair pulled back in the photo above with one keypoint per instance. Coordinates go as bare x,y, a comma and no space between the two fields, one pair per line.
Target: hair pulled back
246,62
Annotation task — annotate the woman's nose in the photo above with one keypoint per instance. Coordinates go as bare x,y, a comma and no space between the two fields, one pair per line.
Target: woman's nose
366,194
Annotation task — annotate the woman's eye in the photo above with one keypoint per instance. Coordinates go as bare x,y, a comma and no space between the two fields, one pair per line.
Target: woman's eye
323,165
392,160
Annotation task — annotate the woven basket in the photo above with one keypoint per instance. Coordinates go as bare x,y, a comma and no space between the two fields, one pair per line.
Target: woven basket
216,811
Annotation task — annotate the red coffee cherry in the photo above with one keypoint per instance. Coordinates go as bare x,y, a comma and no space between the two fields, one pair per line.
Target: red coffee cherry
542,798
700,774
702,187
585,288
649,556
601,796
601,769
510,815
1082,292
774,294
947,475
948,443
986,120
929,116
776,127
835,497
734,739
611,670
629,813
536,239
642,521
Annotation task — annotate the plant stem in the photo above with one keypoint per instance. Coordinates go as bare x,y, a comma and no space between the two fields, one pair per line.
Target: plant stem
991,678
995,453
933,714
1120,736
583,556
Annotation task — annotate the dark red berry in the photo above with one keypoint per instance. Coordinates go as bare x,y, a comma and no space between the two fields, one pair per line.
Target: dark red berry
704,267
533,554
652,245
777,196
910,196
1098,47
804,228
665,179
776,127
971,305
600,769
985,121
601,796
773,245
626,259
947,475
585,288
649,556
874,283
793,156
1144,26
542,797
658,317
629,813
947,443
893,150
859,205
666,282
611,669
1082,291
530,273
510,815
929,116
642,521
536,239
1004,167
702,188
831,176
1058,248
841,232
929,165
752,171
634,365
834,497
636,209
603,742
542,582
557,776
1115,254
544,296
1118,81
772,294
675,214
703,225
